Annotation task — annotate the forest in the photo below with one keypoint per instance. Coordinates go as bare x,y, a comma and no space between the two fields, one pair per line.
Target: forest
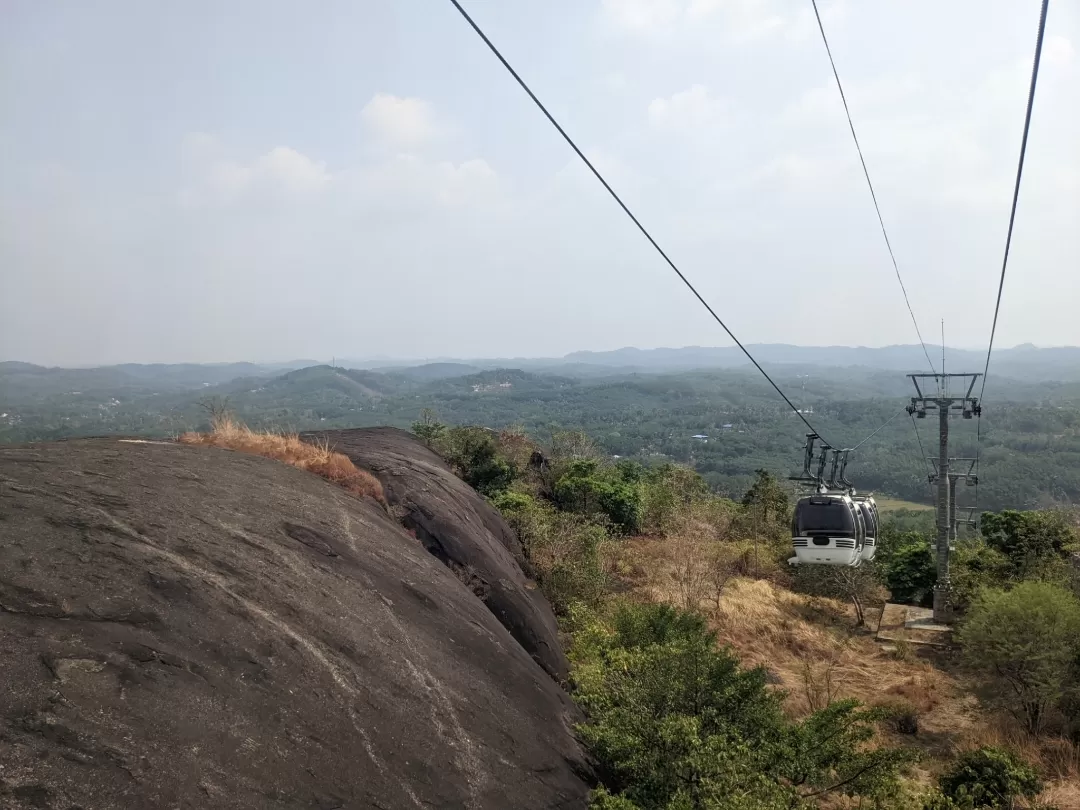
1029,449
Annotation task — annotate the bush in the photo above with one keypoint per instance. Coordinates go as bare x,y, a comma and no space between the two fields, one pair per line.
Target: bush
909,568
1028,539
903,716
474,455
677,724
989,777
588,489
563,548
665,492
766,511
673,721
860,585
1026,645
975,567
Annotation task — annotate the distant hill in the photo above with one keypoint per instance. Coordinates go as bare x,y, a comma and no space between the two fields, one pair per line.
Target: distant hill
353,382
433,371
191,375
1025,362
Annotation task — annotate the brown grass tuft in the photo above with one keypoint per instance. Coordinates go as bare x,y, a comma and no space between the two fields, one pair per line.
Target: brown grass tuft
289,448
1057,757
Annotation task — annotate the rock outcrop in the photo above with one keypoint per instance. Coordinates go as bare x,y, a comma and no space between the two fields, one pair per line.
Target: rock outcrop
460,528
185,627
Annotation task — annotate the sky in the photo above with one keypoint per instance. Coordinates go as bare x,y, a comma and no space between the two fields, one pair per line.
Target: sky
266,180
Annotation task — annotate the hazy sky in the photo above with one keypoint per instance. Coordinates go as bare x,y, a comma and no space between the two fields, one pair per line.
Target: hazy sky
266,180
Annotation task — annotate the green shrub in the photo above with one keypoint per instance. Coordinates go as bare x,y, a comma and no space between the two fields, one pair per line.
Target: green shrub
666,490
428,428
1025,643
974,567
765,511
675,723
1028,539
474,455
909,567
989,777
563,548
587,488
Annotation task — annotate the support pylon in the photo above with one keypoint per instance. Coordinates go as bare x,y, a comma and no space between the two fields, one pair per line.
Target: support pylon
968,407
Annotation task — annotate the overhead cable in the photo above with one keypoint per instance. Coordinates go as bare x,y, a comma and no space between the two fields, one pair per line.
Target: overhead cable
922,454
1012,222
626,210
1016,187
876,432
873,194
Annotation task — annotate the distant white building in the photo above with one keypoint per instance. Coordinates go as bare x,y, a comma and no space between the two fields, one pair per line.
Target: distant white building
701,437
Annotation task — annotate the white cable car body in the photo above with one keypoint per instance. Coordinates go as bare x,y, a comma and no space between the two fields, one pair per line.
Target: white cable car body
872,522
827,529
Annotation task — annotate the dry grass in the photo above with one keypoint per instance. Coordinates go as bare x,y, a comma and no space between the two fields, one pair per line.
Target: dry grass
813,650
787,632
319,459
1057,757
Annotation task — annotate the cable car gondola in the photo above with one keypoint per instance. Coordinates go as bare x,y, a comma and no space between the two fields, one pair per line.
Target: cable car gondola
872,521
828,529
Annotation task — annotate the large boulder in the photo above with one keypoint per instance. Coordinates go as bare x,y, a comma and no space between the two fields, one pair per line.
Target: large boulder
460,528
185,627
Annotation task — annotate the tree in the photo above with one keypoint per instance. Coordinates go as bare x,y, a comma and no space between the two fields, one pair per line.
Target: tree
587,488
1025,642
1029,539
861,585
675,723
989,777
975,567
665,491
826,754
908,566
766,500
428,428
473,452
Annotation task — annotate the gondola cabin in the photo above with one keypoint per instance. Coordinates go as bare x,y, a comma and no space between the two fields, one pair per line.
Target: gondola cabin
872,523
827,529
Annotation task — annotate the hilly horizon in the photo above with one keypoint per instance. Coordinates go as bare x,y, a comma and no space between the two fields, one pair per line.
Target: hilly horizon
1026,357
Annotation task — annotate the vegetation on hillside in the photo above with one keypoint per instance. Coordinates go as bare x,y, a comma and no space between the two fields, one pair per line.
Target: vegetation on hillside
714,676
1030,450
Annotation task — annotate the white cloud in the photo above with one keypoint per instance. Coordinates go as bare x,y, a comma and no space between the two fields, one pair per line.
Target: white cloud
292,170
687,110
400,122
282,170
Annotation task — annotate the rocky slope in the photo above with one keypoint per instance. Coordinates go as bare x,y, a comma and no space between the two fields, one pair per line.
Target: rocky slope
460,528
192,627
